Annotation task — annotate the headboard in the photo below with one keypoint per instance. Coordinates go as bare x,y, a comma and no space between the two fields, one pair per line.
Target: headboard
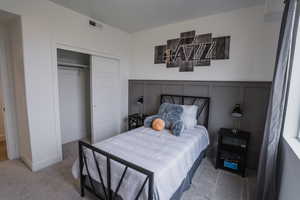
202,102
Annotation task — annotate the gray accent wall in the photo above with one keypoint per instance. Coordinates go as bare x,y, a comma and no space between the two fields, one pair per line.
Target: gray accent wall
253,97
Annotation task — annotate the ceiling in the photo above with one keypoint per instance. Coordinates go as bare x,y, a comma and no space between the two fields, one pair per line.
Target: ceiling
136,15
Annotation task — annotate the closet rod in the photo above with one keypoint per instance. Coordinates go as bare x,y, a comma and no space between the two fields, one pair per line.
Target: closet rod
72,65
73,68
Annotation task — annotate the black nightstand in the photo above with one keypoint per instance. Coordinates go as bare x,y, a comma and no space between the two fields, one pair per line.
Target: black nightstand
135,121
232,150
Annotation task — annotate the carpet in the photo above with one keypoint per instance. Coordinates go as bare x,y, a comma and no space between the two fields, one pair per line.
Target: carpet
56,182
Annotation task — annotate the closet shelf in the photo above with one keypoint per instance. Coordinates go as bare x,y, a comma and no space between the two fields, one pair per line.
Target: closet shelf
64,64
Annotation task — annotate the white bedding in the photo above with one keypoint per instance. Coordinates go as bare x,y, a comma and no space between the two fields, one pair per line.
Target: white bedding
168,156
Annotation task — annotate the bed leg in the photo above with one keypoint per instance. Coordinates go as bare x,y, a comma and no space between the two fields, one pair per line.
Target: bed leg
82,177
82,192
82,180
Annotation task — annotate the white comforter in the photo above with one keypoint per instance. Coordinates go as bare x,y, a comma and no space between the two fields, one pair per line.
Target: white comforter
168,156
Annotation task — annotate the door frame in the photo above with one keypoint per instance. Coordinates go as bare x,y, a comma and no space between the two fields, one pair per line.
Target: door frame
55,46
11,135
9,155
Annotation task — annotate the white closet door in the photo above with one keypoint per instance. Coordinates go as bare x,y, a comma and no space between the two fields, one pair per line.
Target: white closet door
105,98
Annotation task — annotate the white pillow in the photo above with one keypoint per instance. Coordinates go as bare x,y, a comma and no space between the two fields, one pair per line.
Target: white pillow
189,116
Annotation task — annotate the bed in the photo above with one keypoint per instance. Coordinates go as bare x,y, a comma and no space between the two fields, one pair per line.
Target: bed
143,163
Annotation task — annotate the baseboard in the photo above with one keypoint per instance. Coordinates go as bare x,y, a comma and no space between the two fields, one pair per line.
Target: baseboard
36,166
27,162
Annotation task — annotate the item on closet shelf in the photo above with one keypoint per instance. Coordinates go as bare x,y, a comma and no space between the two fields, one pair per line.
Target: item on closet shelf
158,124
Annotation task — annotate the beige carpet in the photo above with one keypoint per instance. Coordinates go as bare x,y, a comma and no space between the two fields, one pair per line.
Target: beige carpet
56,182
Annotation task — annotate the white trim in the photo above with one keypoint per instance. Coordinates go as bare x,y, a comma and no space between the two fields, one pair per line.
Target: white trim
41,164
25,75
86,51
44,163
27,162
7,90
294,143
56,103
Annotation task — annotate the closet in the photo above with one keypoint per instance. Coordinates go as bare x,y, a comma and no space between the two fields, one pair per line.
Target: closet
89,96
74,95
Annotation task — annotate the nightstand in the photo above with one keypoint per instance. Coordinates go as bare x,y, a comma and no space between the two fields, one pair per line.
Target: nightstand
135,121
232,151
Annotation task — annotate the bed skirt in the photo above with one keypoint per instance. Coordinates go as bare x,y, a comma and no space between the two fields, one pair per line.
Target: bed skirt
186,183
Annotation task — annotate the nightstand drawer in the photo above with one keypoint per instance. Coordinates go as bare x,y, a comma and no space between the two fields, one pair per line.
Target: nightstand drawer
232,141
230,148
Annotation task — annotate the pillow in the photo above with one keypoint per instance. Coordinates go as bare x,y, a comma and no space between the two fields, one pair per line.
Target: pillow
158,124
189,116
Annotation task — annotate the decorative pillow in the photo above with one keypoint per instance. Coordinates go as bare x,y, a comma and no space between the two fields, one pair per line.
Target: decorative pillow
171,114
158,124
189,116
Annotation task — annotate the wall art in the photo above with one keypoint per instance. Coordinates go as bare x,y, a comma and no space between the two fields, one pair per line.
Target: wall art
191,50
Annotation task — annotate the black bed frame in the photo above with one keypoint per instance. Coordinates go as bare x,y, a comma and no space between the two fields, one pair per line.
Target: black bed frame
106,192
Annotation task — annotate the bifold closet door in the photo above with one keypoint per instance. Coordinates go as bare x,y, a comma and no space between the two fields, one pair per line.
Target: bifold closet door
105,98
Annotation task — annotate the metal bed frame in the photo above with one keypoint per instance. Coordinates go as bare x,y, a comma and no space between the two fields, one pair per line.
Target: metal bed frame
106,192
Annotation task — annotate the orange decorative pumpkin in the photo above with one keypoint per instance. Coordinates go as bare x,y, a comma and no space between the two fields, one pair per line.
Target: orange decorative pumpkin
158,124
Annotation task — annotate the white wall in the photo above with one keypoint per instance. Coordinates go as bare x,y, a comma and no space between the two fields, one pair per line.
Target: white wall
290,173
273,10
290,147
252,48
74,104
44,25
292,123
